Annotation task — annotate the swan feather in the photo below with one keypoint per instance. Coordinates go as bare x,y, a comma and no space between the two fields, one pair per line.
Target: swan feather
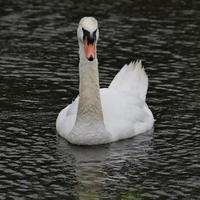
123,103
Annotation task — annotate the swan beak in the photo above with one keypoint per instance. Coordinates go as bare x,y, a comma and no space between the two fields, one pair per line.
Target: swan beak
90,49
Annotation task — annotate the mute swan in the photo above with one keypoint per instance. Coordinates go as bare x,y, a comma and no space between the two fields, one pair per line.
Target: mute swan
99,116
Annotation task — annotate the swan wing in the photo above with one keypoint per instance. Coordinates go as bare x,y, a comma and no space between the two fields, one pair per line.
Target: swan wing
125,114
131,78
66,118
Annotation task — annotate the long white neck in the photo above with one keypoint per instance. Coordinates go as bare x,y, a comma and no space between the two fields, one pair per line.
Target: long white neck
89,107
89,127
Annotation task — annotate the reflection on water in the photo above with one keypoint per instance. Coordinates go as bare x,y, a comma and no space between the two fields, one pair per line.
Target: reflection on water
88,165
98,167
39,76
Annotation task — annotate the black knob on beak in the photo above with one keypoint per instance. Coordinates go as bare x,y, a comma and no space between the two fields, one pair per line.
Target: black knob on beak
91,37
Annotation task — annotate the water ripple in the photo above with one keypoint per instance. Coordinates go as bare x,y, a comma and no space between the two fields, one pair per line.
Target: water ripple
39,76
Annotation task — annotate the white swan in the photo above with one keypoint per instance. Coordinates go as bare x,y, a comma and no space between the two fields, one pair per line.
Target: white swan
105,115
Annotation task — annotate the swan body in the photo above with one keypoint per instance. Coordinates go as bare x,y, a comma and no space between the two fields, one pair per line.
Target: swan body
99,116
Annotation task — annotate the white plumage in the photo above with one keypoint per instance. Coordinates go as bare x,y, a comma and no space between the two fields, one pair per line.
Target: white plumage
125,112
124,109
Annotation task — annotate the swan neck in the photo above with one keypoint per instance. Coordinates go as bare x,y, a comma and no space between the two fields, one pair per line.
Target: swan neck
89,102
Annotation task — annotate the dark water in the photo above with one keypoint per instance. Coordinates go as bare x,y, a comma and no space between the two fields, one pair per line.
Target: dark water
39,76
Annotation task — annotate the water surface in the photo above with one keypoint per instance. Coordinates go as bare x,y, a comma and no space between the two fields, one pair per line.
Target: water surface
39,77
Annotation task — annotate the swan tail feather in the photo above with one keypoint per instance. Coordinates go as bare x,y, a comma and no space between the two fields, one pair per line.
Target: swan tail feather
131,78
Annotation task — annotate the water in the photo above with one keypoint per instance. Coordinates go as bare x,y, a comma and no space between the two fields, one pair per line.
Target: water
39,76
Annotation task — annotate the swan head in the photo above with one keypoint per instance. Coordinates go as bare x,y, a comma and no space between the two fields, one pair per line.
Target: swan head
88,34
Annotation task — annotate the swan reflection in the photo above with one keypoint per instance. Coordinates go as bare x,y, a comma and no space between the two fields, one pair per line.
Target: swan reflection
99,169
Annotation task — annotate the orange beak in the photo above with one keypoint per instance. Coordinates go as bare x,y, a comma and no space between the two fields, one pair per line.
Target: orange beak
90,49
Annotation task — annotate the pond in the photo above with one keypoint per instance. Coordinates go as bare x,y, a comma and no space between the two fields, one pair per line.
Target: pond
39,77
